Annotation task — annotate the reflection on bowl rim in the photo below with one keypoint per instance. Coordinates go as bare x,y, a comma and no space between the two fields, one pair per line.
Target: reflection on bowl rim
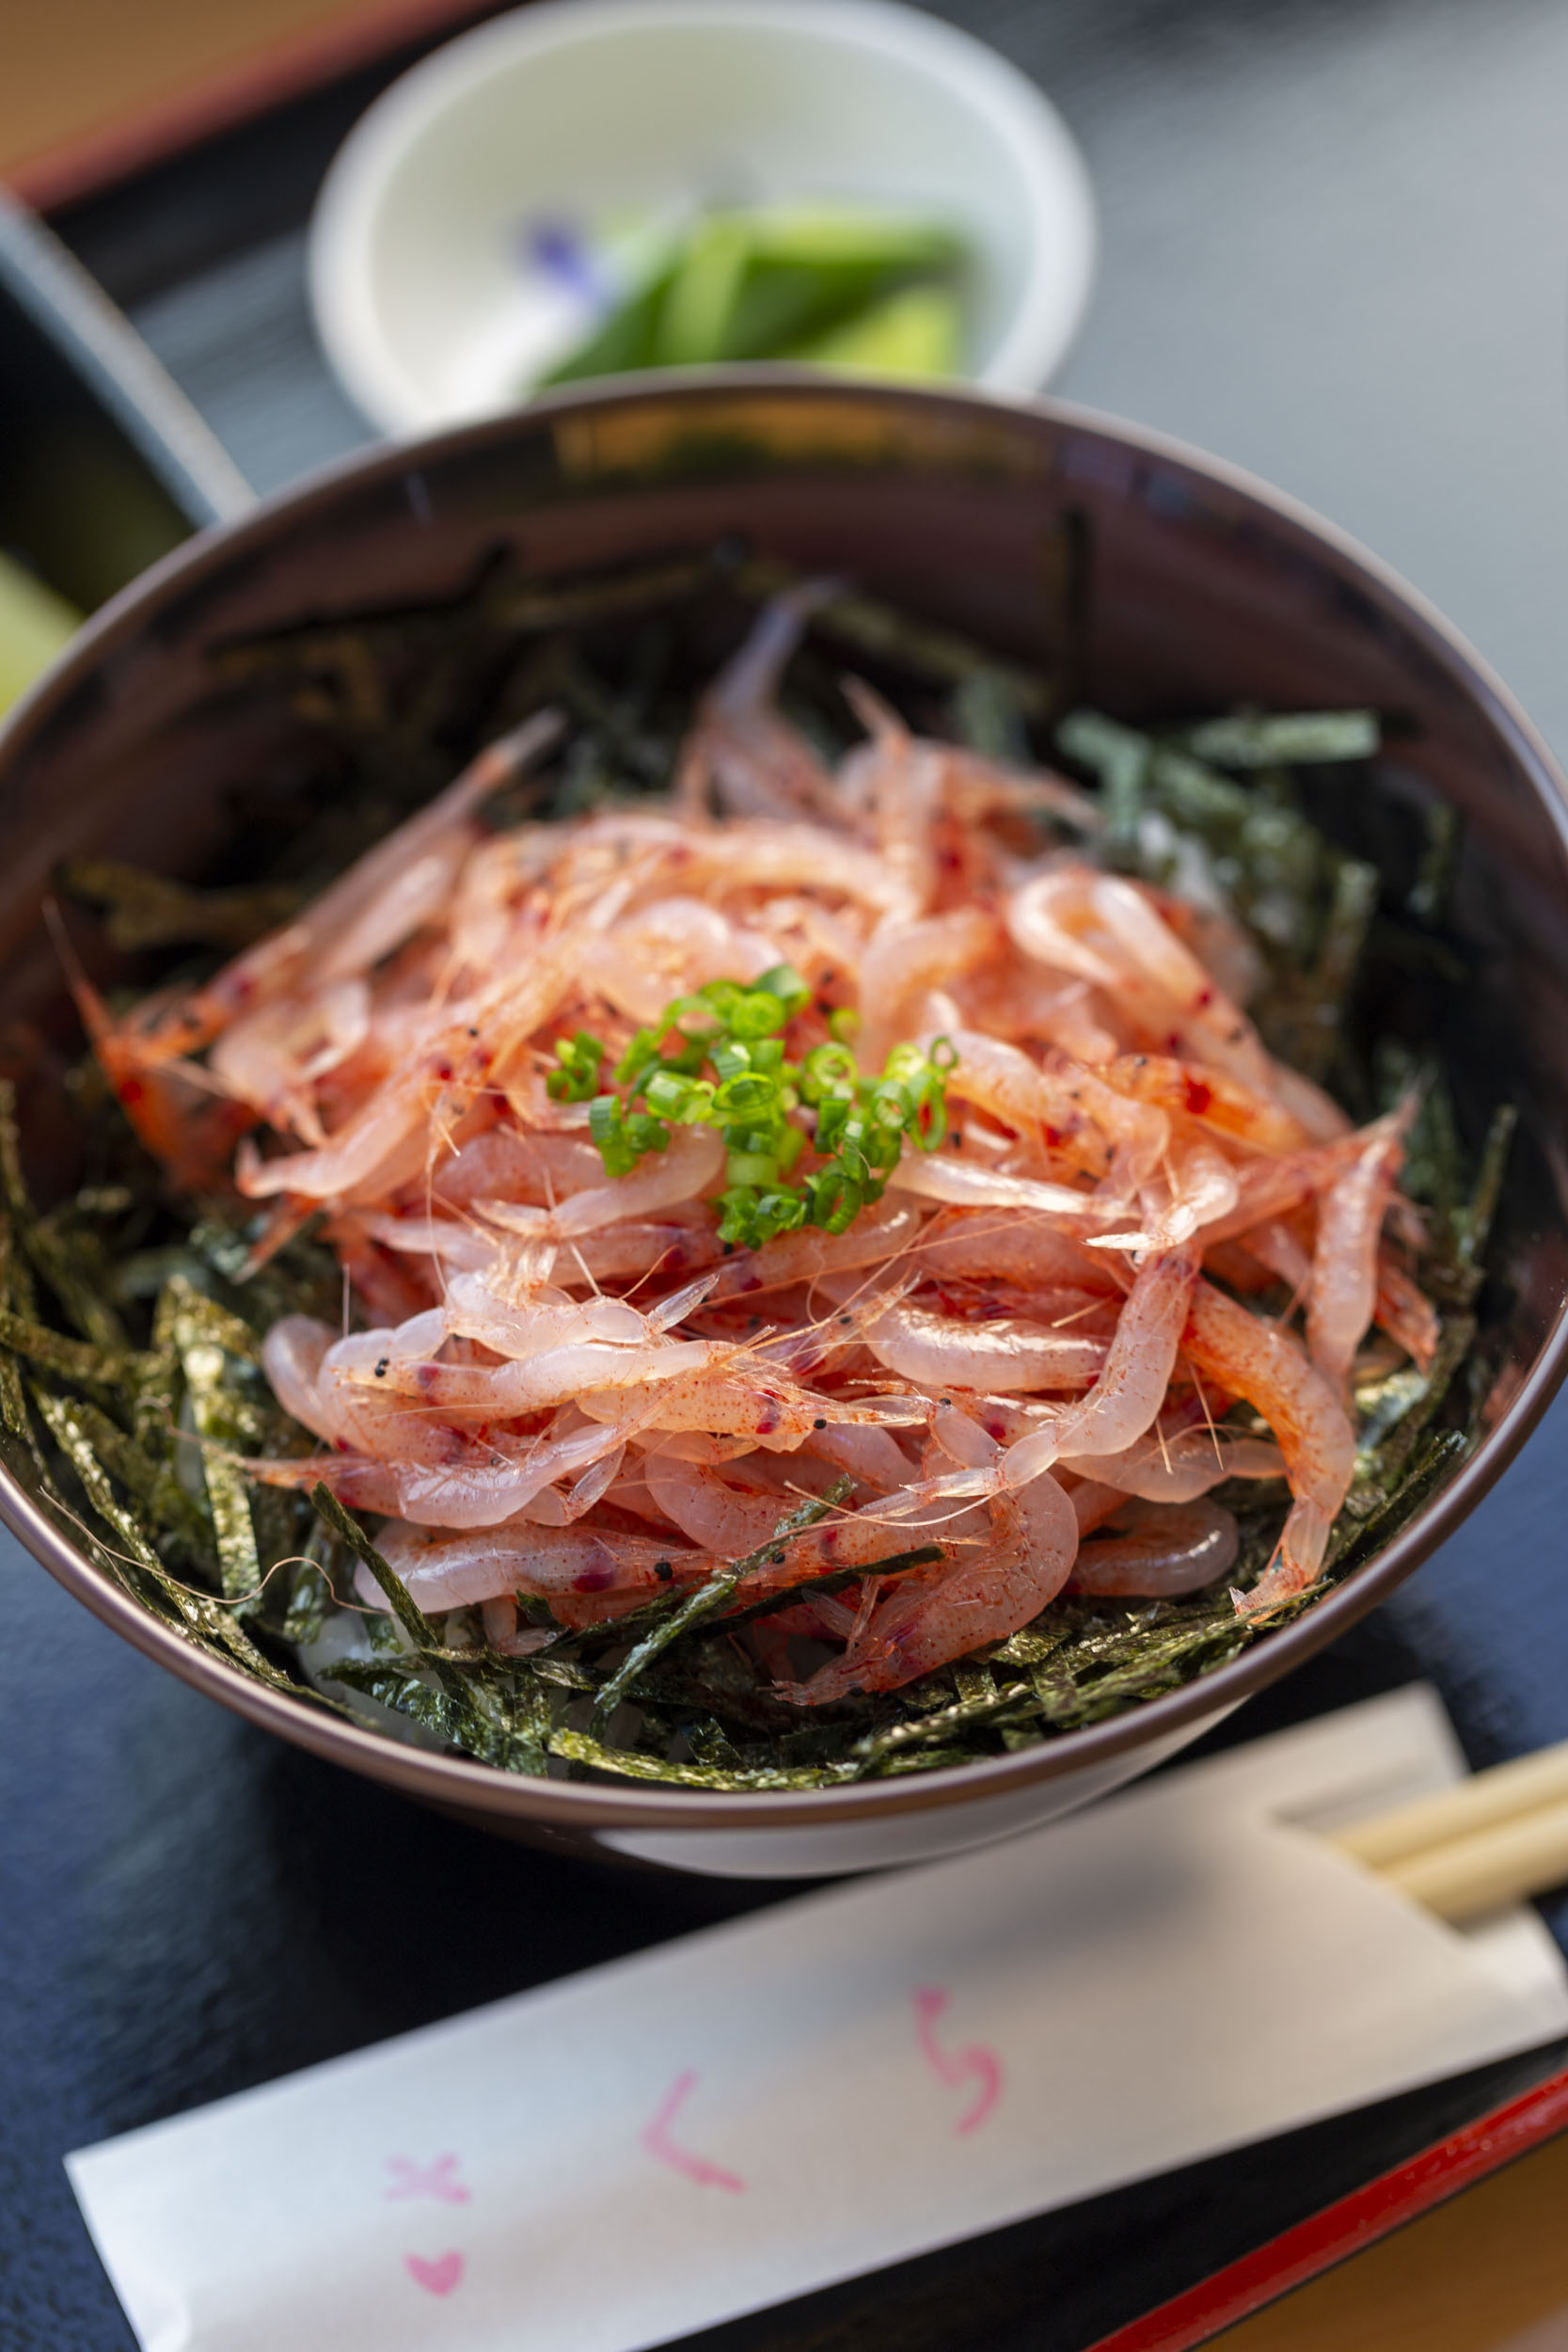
577,1807
1045,318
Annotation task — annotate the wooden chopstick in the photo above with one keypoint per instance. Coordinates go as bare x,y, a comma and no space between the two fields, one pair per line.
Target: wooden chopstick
1489,1840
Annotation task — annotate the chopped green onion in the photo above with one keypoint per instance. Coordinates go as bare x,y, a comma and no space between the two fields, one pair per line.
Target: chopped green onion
757,1016
577,1077
752,1168
782,981
833,1199
751,1095
623,1137
827,1070
861,1123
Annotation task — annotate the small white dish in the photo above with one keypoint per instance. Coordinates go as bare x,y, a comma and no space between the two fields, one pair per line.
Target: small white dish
582,112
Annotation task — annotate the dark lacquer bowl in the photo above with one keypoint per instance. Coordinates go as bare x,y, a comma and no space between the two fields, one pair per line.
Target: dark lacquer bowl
1202,590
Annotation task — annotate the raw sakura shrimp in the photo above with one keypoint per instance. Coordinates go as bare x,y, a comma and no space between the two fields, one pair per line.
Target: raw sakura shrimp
1024,1335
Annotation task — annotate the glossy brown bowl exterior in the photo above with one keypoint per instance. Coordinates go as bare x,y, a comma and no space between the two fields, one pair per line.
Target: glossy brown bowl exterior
1165,582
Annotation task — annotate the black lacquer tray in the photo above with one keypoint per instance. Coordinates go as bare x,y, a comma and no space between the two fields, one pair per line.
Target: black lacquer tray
188,1908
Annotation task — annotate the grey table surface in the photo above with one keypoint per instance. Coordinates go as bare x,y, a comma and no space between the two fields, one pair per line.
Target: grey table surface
1335,249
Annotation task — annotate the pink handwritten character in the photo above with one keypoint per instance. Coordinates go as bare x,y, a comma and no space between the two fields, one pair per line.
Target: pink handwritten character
663,2150
438,2179
973,2062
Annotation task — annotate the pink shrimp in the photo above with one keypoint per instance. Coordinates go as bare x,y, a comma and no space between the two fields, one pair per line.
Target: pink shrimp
170,1104
447,1571
479,1483
1405,1312
770,1410
1022,1005
721,1516
1092,1503
1163,1548
548,1376
1131,1388
1222,1032
935,1615
1181,1467
1024,1250
1199,1188
1108,931
1207,1095
1268,1189
1070,1108
272,1057
691,1161
897,781
907,960
763,766
976,787
636,1250
1344,1296
671,948
880,1233
508,1165
779,856
939,1351
1263,1364
966,1184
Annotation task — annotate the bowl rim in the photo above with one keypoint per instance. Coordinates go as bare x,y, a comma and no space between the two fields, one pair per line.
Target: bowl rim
580,1806
1017,115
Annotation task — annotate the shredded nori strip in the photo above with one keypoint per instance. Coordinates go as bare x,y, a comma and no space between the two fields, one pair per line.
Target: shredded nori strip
706,1600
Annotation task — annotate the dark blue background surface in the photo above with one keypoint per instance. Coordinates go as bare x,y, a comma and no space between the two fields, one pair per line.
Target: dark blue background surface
1334,250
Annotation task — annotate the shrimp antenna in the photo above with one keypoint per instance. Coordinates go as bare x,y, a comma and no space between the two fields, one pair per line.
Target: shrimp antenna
1207,1416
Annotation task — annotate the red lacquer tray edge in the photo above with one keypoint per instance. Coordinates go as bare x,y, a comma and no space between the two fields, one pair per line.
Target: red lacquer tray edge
1349,2225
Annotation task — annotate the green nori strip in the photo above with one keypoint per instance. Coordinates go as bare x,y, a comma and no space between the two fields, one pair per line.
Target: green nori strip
65,1425
987,714
1122,761
824,1587
150,1481
404,1692
16,1282
149,910
399,1601
580,1747
77,1359
310,1603
680,1615
13,1401
1434,885
194,1612
1286,739
870,626
223,1422
989,1706
1474,1227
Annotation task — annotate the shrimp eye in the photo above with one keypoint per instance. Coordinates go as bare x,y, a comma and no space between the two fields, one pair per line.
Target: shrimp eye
381,1369
819,1424
663,1571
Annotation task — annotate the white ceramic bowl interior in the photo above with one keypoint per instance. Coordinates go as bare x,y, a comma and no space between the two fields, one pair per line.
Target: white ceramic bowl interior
585,111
